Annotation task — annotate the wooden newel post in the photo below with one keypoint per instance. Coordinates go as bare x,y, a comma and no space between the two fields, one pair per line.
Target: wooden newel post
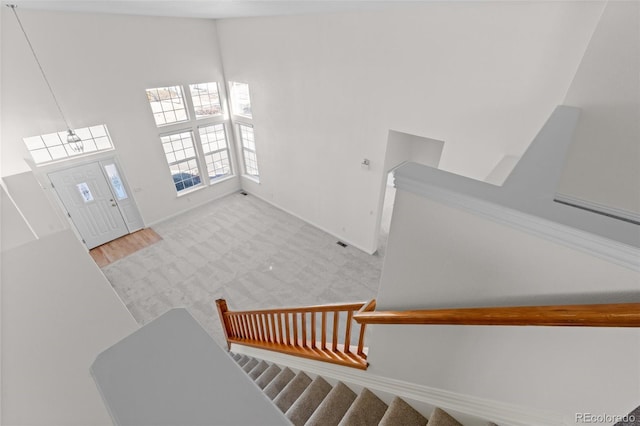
221,304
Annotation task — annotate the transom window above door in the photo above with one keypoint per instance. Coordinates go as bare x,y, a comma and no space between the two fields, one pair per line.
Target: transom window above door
55,147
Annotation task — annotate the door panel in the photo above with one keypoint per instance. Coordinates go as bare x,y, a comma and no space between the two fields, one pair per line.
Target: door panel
86,195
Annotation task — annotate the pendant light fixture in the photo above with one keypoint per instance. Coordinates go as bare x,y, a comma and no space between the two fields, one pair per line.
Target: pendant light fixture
73,140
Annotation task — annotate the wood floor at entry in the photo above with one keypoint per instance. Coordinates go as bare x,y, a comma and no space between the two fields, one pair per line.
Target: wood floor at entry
124,246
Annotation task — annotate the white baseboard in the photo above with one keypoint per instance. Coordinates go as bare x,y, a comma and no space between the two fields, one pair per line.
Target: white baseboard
193,206
345,240
482,409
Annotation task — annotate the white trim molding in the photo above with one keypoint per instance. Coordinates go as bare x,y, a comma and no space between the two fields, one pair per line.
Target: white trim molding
600,208
526,199
604,248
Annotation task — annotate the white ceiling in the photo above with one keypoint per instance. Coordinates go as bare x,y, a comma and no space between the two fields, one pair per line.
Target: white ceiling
212,9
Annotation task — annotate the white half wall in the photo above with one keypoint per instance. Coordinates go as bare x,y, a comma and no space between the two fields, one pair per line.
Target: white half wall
603,164
99,66
440,256
58,313
501,171
326,90
30,197
14,230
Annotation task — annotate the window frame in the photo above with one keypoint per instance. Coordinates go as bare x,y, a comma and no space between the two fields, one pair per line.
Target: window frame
70,154
184,102
193,125
244,120
232,100
184,160
191,96
244,149
227,148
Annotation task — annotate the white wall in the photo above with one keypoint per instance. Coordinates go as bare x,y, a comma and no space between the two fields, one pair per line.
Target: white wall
58,313
603,163
481,76
39,212
502,170
438,256
99,66
14,230
403,147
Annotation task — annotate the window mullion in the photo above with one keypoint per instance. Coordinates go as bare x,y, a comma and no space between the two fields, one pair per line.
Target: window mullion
202,163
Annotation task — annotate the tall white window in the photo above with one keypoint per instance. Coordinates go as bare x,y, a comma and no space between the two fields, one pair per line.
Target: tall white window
194,136
248,143
243,116
240,99
215,150
181,157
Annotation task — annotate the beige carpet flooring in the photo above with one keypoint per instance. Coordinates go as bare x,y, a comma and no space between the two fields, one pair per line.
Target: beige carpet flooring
246,251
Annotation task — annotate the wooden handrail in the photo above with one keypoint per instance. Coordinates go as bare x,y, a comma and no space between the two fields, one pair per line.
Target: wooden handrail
598,315
285,330
311,308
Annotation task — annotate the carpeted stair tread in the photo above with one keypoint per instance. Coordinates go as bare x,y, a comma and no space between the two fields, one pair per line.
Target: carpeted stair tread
440,417
249,365
401,413
333,407
258,370
279,382
267,376
292,391
366,410
243,360
308,401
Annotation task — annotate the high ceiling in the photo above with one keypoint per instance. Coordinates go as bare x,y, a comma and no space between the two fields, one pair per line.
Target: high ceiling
211,9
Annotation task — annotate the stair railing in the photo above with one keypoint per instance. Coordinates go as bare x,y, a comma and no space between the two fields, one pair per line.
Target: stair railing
311,331
596,315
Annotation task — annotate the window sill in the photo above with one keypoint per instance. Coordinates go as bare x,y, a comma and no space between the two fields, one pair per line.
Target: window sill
191,190
222,179
203,186
252,178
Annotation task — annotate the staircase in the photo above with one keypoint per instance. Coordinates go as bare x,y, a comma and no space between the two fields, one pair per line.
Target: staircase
314,402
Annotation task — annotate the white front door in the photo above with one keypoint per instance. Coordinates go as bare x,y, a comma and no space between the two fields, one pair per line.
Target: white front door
93,208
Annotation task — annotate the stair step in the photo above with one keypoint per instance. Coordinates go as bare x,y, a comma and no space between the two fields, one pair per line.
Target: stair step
249,365
292,391
258,370
307,403
278,383
401,413
333,407
267,376
366,410
440,417
243,360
